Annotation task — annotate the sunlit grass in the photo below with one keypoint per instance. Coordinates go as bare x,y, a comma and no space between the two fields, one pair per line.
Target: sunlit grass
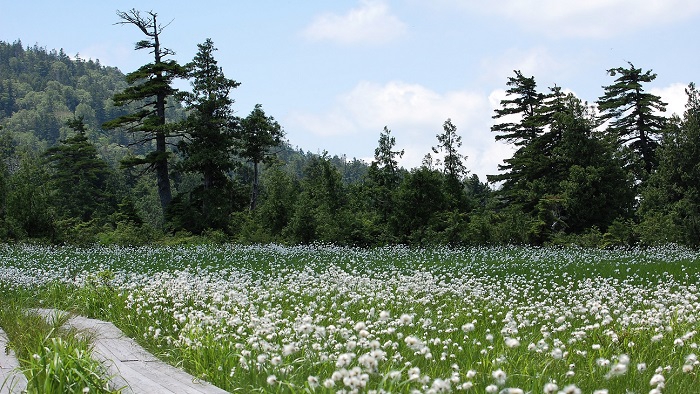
55,359
328,319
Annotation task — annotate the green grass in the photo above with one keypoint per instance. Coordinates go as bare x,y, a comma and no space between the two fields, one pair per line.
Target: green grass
53,358
280,319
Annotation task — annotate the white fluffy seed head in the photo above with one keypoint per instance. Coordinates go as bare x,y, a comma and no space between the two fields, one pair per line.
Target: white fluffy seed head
656,379
550,388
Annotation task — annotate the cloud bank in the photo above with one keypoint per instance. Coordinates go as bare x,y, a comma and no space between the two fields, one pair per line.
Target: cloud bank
415,114
590,18
370,23
673,95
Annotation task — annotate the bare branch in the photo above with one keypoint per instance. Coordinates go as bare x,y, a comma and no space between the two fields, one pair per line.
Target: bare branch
142,141
134,17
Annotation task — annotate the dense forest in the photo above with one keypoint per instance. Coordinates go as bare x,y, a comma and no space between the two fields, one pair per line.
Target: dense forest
88,154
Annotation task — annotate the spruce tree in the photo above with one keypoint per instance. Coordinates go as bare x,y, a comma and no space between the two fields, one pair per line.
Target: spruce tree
210,137
383,175
385,161
209,140
79,178
672,195
449,142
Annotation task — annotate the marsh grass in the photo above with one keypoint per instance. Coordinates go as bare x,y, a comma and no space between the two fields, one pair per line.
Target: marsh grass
54,359
326,319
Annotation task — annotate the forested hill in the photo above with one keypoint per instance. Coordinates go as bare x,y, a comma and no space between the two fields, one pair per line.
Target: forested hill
40,89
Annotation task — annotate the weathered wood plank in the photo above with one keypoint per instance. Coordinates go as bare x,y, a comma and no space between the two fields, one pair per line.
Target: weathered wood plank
12,380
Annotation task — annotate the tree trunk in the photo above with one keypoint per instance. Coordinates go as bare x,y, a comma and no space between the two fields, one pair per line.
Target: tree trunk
254,192
161,164
161,167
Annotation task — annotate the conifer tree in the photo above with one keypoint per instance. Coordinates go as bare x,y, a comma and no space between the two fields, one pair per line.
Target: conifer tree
385,159
519,112
208,144
258,134
449,142
209,140
563,175
150,85
583,172
633,116
453,166
28,201
384,174
420,199
672,195
318,207
521,124
79,177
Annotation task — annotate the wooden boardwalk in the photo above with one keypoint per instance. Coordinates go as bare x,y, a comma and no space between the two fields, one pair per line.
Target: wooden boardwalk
12,380
134,369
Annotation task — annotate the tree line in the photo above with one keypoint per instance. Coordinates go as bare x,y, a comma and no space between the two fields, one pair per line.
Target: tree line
92,155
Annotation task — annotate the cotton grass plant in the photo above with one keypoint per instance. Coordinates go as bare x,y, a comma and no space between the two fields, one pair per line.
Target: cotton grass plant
328,319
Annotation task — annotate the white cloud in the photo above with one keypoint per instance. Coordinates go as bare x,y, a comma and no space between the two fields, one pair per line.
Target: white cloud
120,55
674,95
590,18
371,22
398,102
537,61
334,123
414,114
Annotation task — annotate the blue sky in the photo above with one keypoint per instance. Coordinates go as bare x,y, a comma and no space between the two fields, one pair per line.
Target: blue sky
335,73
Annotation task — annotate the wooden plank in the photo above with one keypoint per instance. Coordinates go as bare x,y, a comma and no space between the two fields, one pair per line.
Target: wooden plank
12,380
135,370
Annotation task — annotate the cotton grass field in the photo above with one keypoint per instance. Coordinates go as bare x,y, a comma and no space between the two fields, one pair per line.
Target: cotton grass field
326,319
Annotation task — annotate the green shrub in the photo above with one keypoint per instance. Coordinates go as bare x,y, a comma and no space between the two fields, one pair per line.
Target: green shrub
621,232
658,229
591,238
128,234
74,231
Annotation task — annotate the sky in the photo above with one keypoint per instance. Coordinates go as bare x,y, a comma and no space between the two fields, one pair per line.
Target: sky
335,73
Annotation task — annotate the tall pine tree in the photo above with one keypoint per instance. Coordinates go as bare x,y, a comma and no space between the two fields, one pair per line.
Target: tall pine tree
150,85
520,125
519,111
210,137
633,116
